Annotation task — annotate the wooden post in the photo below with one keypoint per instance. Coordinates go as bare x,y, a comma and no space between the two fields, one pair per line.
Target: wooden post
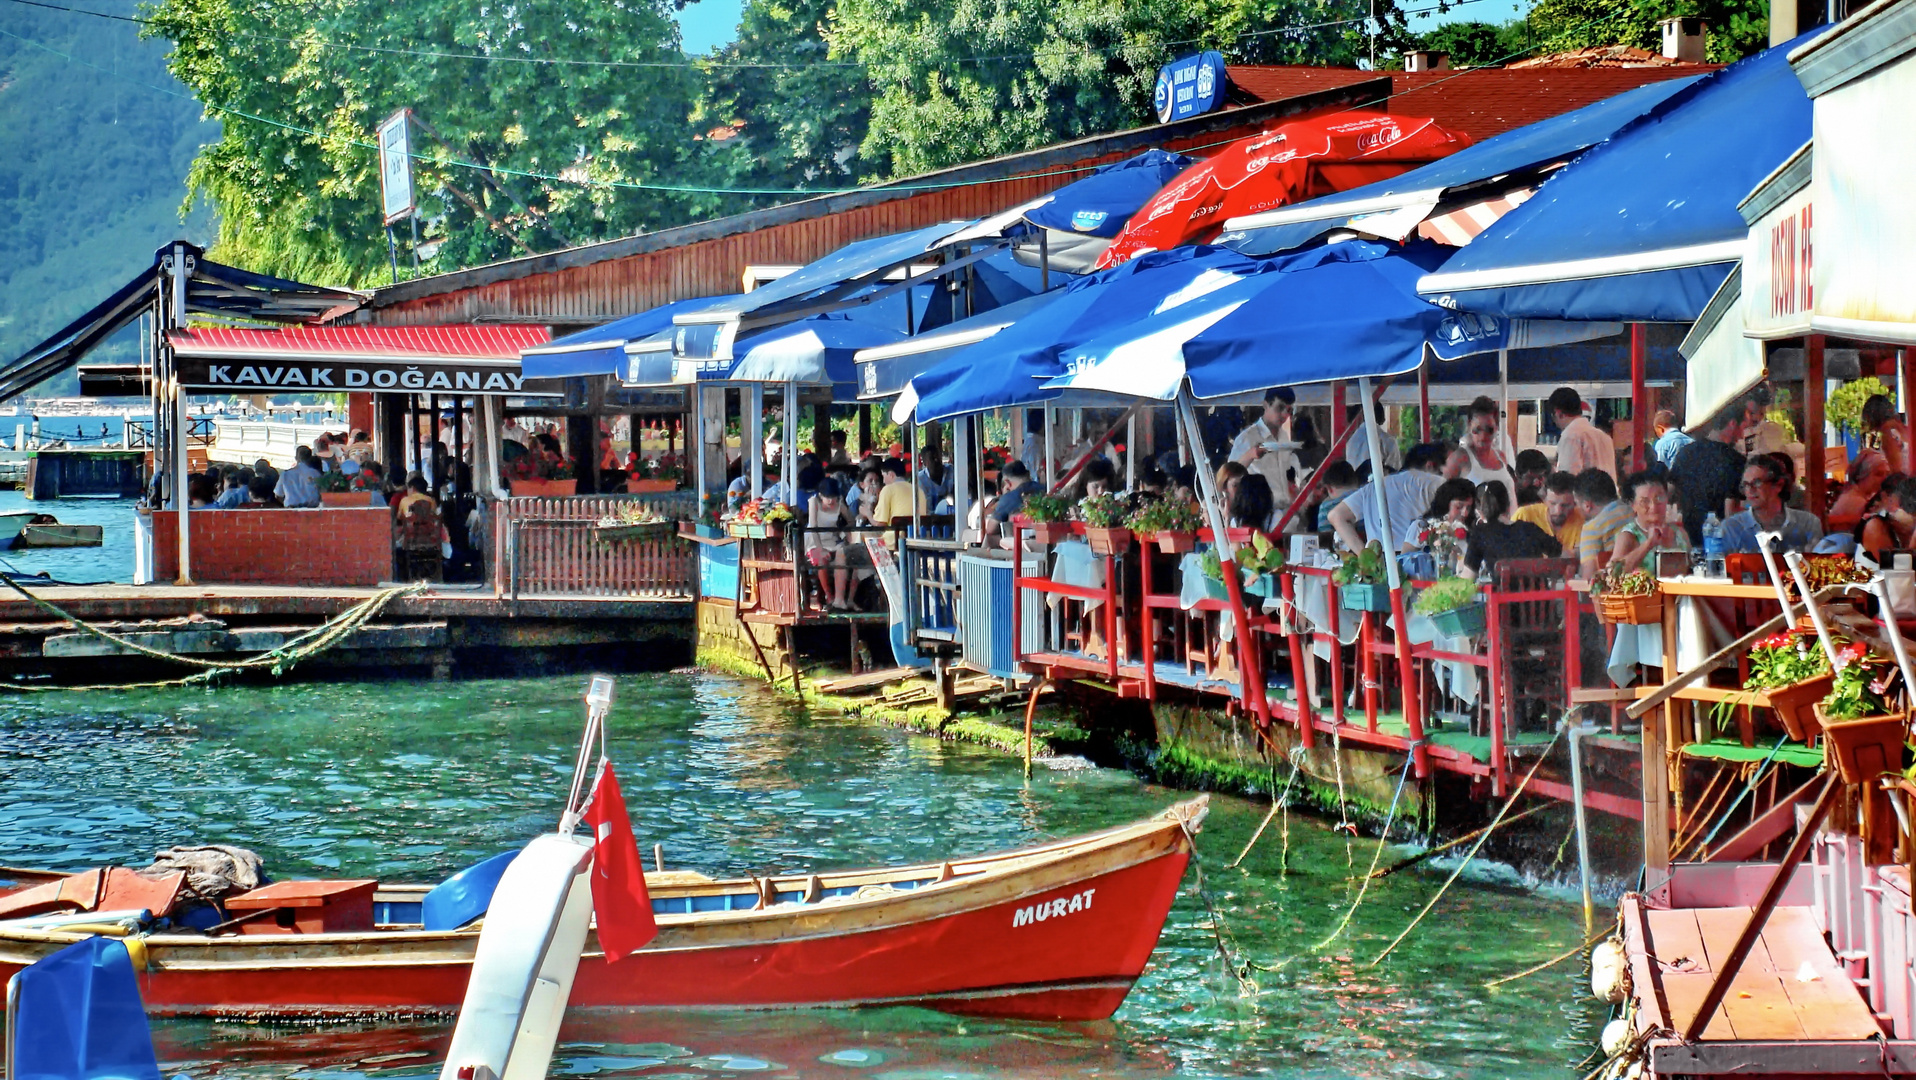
1817,476
1640,396
865,429
1337,409
1423,402
753,430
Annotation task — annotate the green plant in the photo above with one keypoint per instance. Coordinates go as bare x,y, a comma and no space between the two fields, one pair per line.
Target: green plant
1445,594
710,505
1617,580
1211,566
1845,407
1784,660
1260,556
1364,567
1044,508
1101,511
1167,515
1861,686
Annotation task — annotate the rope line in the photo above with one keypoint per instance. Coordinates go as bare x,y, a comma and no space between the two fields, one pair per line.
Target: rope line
1474,848
1553,961
1383,838
280,658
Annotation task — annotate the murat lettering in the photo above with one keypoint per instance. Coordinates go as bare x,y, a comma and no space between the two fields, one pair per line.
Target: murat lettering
1052,909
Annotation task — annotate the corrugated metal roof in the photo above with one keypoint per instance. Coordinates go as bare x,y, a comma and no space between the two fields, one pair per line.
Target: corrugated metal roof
1479,101
422,343
597,283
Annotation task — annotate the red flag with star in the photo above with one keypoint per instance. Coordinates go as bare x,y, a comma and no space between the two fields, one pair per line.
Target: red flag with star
620,903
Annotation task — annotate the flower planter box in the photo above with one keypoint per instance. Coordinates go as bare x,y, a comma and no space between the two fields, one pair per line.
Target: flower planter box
710,532
1630,610
1114,540
1171,543
636,530
1359,596
1795,706
1862,749
650,487
1463,621
757,530
1045,532
350,498
529,489
1215,590
1266,586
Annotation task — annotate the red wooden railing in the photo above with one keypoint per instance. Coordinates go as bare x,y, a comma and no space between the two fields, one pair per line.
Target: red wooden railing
549,547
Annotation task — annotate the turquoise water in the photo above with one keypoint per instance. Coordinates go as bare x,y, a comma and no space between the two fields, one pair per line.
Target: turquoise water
411,781
111,561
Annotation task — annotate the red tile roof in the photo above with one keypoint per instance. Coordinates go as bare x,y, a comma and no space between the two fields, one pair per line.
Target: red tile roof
1480,101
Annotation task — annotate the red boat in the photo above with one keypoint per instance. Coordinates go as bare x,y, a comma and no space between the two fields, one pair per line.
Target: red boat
1058,931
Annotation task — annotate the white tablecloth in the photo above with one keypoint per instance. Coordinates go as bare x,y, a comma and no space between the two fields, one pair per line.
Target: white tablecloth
1699,634
1075,564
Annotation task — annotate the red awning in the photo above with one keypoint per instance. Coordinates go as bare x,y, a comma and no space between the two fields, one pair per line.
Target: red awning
463,359
419,343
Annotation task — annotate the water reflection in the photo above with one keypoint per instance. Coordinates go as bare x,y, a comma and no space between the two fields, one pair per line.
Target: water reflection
411,781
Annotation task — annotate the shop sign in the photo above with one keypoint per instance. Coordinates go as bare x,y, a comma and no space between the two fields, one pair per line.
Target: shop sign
1189,87
1778,259
319,375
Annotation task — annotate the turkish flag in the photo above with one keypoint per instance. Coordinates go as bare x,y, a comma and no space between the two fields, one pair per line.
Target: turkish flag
620,903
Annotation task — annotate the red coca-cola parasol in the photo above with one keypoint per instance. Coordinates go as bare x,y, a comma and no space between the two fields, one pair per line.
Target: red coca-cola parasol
1287,164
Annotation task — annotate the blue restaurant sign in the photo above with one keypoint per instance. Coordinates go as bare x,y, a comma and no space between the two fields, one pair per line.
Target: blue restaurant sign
1189,87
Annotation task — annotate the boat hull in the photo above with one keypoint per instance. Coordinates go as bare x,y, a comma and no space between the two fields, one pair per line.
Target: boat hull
1060,937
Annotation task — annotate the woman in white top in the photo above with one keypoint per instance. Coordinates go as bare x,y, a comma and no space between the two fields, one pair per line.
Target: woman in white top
1484,448
829,548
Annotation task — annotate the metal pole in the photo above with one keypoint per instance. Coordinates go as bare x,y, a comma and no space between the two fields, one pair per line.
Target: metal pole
1131,454
1050,454
754,427
1892,631
1583,826
181,427
1406,674
1640,396
788,457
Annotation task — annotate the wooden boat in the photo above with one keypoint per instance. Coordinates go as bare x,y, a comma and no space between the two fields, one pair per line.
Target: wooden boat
60,536
1056,931
11,524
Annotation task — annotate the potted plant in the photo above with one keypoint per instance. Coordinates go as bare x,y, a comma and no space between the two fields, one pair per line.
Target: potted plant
1049,517
708,525
760,520
1103,517
1172,522
632,521
1791,670
652,475
1258,562
1862,737
1453,606
1363,580
1628,597
336,489
994,462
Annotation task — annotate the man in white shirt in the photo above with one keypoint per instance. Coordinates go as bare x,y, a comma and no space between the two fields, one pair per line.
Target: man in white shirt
1276,466
1357,449
1582,445
1407,493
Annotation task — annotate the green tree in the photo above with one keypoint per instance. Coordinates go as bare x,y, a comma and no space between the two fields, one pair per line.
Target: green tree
801,116
301,87
1470,44
1738,28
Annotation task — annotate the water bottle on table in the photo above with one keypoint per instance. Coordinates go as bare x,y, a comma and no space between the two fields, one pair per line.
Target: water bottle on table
1714,563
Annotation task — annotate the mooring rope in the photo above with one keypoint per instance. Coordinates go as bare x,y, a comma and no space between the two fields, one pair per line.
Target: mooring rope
280,658
1282,801
1383,838
1555,960
1478,846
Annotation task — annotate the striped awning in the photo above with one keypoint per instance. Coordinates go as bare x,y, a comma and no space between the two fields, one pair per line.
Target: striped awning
455,359
1462,225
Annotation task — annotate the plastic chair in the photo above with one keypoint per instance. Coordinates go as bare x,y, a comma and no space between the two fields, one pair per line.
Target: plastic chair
464,896
76,1015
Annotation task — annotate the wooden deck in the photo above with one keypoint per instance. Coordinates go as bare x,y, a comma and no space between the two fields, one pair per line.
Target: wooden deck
1790,988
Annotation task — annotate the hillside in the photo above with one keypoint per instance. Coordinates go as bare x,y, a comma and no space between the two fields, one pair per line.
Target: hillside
93,163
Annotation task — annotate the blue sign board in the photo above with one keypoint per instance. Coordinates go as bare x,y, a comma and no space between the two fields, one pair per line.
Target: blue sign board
1189,87
718,571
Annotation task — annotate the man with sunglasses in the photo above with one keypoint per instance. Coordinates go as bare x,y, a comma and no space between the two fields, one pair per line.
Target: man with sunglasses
1763,482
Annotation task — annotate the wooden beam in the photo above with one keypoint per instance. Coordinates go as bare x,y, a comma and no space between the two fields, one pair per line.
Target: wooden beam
1745,941
1766,827
1817,480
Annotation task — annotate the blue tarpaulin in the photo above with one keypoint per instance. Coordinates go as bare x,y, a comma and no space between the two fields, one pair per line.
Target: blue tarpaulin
1514,151
1643,227
601,350
809,351
1008,368
79,1017
1342,311
1102,202
892,368
849,263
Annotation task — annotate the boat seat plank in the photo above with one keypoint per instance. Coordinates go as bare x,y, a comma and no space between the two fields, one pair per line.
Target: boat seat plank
1676,942
1684,991
1827,1002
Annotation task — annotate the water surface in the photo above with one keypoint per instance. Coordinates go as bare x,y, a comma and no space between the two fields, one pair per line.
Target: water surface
410,781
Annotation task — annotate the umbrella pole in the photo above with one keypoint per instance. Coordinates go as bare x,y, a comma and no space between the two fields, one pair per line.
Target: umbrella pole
1406,675
1250,673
